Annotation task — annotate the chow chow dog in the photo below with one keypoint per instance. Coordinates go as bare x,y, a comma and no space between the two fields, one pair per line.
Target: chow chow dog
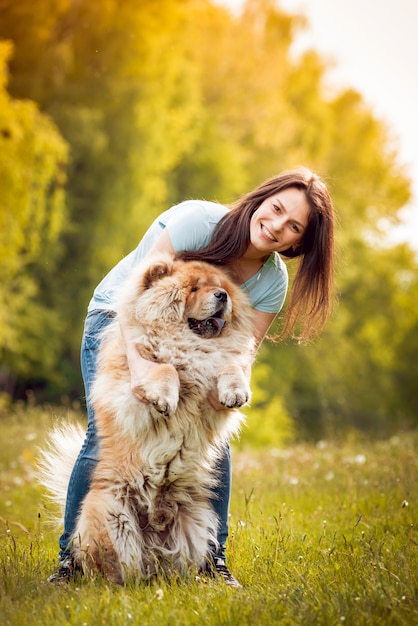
148,510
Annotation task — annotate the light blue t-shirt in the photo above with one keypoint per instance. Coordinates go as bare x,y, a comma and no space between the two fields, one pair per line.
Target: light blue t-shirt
190,226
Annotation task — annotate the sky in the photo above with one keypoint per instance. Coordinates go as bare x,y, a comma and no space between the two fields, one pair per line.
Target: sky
372,46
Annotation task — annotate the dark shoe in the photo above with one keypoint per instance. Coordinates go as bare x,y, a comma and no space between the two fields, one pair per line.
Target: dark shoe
218,567
67,570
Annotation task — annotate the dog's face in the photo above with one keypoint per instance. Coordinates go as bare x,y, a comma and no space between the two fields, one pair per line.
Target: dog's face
199,294
208,303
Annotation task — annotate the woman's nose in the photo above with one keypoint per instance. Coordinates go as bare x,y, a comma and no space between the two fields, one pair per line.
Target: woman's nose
278,223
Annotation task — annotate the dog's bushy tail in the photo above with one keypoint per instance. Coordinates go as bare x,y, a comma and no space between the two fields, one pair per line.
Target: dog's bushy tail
56,462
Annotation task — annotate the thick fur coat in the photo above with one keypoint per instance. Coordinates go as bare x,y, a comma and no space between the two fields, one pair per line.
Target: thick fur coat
148,508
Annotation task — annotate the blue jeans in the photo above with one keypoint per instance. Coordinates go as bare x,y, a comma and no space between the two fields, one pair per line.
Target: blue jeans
83,468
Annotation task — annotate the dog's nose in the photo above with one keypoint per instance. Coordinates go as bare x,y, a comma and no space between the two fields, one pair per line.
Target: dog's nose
221,295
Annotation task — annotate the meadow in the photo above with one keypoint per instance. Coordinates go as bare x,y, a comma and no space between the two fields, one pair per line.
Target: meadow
321,533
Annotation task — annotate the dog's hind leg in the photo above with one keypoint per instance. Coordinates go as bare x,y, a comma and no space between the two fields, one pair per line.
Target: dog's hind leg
102,556
94,548
190,535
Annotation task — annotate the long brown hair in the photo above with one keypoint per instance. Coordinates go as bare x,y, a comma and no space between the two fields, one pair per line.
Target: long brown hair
311,292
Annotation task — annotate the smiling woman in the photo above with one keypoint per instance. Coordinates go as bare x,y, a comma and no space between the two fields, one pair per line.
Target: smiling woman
290,215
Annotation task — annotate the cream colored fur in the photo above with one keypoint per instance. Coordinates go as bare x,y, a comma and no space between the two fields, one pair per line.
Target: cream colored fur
148,506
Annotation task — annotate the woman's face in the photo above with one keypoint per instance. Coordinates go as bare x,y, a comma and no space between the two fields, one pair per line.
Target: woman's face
280,221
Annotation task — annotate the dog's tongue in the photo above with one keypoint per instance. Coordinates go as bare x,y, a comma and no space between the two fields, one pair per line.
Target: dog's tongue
217,322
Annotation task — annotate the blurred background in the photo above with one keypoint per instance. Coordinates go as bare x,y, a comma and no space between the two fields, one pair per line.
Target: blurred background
112,111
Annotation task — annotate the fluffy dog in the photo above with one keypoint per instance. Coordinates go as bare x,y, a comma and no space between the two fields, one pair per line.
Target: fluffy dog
148,508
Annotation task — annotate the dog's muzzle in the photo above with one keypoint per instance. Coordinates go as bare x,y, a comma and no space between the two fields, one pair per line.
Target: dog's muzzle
210,327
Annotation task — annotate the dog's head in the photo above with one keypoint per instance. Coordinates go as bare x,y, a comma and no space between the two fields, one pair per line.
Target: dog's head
208,308
199,294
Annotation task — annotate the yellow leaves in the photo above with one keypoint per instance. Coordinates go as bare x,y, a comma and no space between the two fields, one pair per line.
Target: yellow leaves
6,48
32,159
32,156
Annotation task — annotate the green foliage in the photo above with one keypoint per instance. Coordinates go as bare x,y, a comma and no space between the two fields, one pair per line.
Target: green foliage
118,82
362,372
320,535
32,212
268,422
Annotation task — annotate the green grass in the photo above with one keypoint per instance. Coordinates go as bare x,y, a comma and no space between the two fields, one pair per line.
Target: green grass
322,534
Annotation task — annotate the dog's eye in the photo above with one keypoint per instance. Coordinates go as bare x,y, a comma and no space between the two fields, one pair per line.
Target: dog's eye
195,288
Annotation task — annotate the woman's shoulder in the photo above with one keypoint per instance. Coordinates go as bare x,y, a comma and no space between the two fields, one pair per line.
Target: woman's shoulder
194,210
276,264
275,274
190,224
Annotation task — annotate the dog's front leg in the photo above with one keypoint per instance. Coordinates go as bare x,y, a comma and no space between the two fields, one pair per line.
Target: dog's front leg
162,388
233,387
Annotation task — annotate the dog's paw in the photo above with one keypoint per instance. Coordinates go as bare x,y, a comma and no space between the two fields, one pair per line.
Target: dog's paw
235,398
233,388
164,398
163,406
162,389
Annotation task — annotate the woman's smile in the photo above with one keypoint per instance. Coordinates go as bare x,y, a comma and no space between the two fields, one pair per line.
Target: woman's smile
265,231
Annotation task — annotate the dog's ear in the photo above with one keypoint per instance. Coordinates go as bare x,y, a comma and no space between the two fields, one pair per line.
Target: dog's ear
156,271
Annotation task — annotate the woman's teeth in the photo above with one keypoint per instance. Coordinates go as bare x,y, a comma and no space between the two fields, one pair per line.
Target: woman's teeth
267,233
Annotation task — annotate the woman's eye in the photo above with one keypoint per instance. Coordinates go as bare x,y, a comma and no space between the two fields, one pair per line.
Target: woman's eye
295,228
276,208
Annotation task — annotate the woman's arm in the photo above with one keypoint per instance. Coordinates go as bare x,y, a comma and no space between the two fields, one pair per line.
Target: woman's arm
262,322
162,245
138,366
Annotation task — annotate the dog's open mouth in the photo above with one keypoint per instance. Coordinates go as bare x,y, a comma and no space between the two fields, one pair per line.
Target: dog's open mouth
210,327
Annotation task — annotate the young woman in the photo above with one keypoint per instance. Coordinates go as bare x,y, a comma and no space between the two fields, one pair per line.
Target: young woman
290,215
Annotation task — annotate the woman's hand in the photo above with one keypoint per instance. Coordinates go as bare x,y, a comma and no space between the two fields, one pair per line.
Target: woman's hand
139,369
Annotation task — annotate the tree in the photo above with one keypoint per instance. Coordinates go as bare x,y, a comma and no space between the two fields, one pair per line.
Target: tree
32,211
117,80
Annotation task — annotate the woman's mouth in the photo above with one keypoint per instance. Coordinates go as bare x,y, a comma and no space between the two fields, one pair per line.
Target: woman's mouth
267,234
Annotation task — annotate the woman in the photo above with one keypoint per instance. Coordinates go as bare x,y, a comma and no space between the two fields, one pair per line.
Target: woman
290,215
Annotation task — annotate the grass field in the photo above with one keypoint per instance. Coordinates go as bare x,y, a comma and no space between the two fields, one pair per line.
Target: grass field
320,534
